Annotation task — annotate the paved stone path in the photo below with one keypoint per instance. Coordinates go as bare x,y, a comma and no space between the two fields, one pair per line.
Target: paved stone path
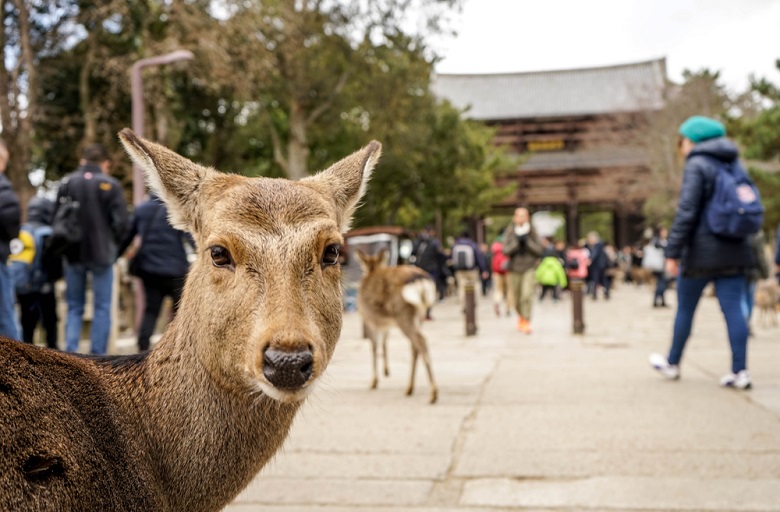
544,422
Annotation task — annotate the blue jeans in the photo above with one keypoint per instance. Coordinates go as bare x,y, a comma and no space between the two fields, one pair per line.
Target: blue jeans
730,292
748,299
76,284
8,325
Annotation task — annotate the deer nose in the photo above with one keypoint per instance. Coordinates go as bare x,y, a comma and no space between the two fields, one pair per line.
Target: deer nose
288,370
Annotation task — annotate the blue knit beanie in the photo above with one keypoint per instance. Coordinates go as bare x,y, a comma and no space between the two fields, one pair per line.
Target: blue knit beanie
699,128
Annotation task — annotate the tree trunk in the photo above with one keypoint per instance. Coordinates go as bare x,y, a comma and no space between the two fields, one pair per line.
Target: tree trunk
298,145
20,143
85,93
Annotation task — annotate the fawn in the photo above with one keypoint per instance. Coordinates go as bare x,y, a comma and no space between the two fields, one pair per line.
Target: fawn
398,296
187,425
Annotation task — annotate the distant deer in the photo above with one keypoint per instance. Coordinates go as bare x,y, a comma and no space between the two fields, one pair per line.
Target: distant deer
188,425
766,300
398,296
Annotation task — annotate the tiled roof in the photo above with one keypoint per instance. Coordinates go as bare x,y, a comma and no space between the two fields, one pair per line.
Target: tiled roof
623,88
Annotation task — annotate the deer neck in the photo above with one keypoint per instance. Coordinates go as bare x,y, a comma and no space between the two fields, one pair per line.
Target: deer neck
190,426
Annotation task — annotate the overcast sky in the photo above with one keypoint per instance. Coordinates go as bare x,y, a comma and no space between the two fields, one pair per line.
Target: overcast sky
737,37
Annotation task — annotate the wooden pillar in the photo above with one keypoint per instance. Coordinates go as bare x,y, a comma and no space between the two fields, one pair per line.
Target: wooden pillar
572,223
620,225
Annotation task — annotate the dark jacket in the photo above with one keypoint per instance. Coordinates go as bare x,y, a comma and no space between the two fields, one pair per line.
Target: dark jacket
10,217
162,246
103,214
524,251
428,254
701,253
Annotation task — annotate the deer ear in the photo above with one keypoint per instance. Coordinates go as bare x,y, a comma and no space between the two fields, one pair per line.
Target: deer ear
346,181
174,178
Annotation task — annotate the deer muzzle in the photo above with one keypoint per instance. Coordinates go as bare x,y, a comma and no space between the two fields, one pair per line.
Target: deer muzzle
288,370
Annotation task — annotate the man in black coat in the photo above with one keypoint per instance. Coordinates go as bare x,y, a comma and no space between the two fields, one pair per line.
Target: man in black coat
699,256
103,216
10,219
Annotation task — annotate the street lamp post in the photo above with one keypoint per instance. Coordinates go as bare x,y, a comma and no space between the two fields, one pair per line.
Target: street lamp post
139,187
137,91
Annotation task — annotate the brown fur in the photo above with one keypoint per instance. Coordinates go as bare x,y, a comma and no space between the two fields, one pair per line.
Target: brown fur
188,425
766,301
382,304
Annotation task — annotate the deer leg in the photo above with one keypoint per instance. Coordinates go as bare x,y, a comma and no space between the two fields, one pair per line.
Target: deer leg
373,338
427,360
384,352
410,387
419,347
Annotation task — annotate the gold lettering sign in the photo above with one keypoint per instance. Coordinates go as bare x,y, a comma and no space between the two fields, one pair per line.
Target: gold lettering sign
545,145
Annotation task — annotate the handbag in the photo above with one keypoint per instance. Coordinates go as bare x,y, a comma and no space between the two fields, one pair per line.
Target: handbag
653,258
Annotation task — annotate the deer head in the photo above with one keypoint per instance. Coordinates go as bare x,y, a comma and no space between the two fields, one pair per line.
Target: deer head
262,304
372,262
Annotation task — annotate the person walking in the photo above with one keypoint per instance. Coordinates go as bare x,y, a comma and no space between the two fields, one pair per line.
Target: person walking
552,276
469,264
658,244
502,296
10,220
103,217
35,270
159,260
428,256
698,256
524,250
598,266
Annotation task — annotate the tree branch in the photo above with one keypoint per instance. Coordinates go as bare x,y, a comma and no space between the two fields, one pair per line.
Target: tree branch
323,107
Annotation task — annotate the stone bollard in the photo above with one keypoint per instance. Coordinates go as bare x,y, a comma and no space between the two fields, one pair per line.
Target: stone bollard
576,286
471,309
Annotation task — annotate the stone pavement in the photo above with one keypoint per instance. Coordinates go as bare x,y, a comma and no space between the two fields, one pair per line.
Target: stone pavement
549,421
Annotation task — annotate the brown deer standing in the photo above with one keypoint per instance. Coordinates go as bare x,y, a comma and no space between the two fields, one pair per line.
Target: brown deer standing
766,300
189,424
398,296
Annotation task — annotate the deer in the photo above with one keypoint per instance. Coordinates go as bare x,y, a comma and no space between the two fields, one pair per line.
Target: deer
396,296
187,425
766,300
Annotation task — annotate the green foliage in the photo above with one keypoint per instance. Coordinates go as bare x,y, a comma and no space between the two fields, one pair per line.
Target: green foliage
759,132
768,184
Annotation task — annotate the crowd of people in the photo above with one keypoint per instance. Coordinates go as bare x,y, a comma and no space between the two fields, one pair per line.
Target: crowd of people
706,244
79,237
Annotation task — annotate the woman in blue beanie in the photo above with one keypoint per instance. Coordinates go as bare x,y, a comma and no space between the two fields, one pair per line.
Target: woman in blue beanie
698,256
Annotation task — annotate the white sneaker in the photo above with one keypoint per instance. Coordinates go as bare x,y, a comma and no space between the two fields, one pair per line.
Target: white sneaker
662,366
739,380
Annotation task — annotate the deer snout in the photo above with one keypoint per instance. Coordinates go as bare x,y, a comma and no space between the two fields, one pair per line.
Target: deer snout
288,370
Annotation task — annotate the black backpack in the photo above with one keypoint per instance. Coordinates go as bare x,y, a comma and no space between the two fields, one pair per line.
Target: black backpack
66,225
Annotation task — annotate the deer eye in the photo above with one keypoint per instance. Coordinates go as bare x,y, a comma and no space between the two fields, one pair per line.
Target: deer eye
330,256
221,257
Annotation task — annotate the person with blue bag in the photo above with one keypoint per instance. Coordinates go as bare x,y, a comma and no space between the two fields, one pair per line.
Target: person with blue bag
719,210
34,270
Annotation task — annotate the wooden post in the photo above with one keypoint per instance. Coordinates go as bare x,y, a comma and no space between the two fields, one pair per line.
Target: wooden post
471,310
578,322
